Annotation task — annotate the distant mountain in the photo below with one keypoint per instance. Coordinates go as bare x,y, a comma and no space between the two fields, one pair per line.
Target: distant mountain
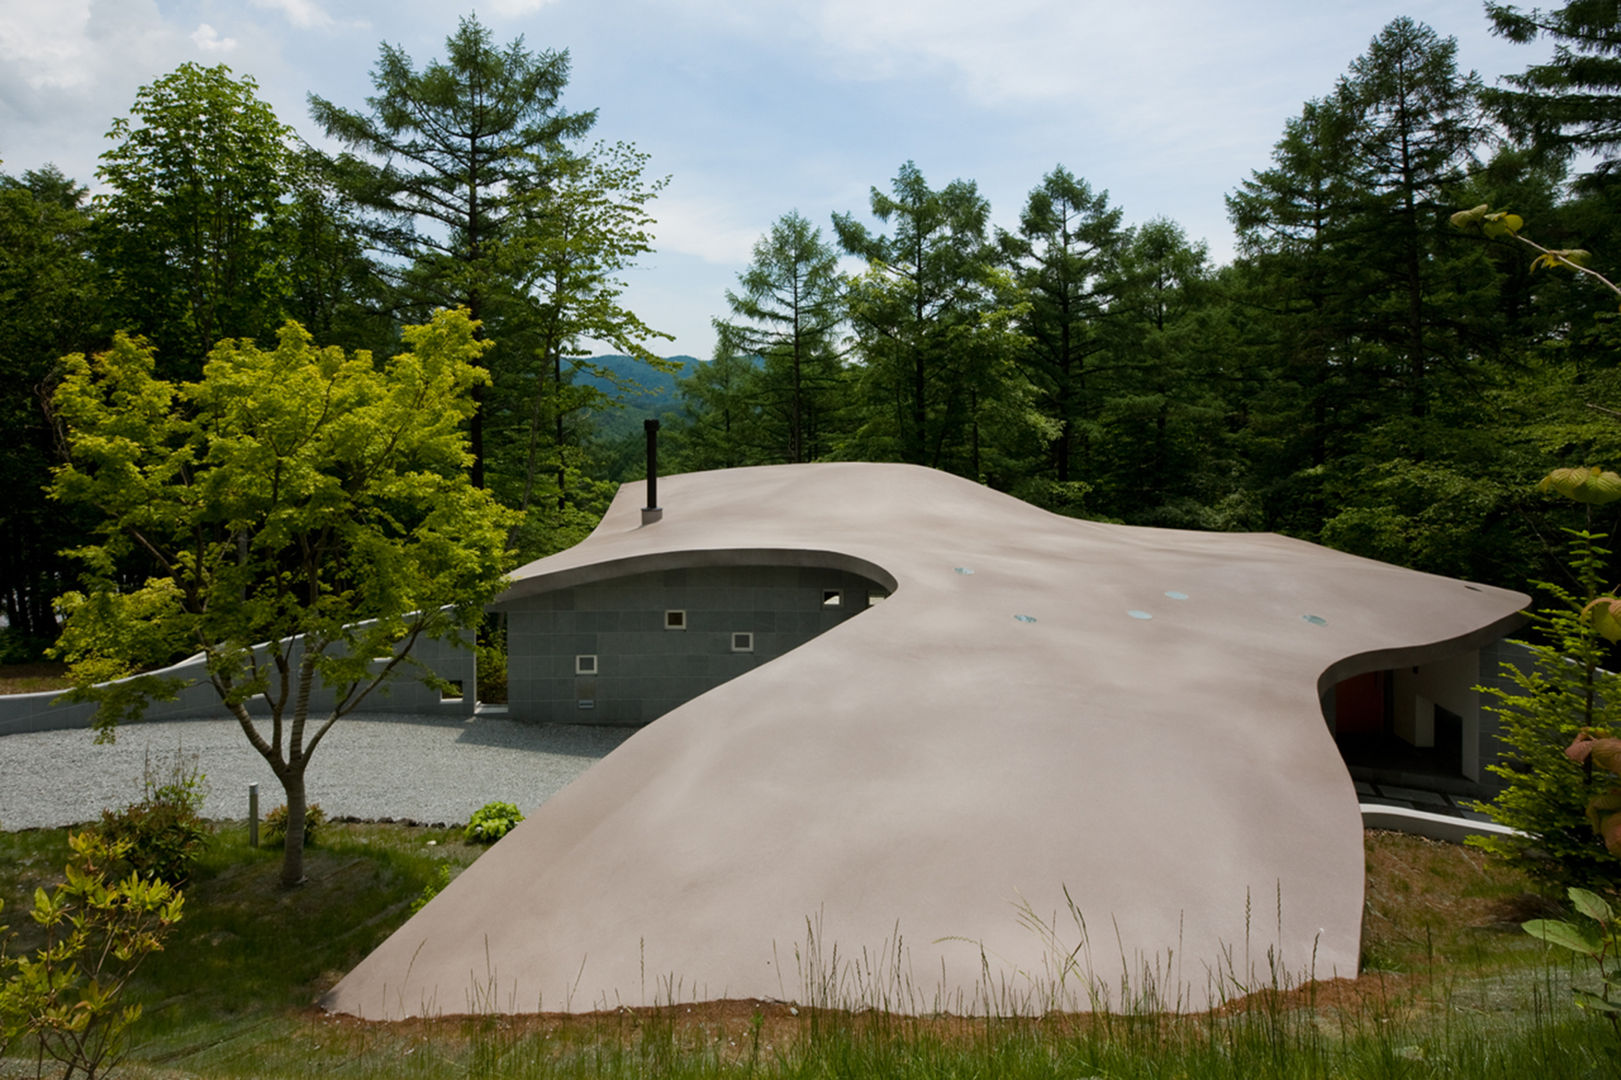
646,393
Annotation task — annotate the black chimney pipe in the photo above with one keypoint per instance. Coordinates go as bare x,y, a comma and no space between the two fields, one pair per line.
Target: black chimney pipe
651,512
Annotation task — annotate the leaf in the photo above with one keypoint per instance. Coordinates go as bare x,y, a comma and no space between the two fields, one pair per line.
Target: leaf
1470,219
1564,935
1603,614
1591,904
1586,999
1609,828
1588,484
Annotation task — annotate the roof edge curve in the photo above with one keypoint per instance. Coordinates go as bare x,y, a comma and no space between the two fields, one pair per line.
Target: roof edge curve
1414,655
688,558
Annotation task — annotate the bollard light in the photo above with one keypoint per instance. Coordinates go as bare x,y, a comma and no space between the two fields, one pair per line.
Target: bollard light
253,815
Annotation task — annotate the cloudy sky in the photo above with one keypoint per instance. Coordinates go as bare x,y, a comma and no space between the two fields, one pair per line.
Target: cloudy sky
758,107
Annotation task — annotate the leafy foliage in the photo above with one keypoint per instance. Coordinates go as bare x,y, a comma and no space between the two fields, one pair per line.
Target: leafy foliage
52,299
1566,691
1595,934
935,324
163,833
450,164
195,185
275,825
492,821
299,497
98,930
441,878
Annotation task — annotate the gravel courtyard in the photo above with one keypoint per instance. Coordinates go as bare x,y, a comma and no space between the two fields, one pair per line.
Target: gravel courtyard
370,766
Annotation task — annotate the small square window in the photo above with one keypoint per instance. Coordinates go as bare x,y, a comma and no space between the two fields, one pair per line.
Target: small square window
675,620
743,641
585,664
454,693
832,597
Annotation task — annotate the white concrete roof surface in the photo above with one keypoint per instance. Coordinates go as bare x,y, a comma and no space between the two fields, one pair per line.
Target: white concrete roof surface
885,815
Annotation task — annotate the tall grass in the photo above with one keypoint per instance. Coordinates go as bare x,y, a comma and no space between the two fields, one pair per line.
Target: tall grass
1455,991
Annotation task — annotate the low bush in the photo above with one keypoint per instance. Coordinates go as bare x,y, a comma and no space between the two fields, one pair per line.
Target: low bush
275,825
163,834
441,878
97,930
491,822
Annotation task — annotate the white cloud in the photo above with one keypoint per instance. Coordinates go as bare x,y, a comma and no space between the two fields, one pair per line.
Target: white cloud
511,8
43,46
709,228
206,38
304,14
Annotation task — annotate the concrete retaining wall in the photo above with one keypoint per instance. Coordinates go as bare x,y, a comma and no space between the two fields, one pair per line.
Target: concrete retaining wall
403,693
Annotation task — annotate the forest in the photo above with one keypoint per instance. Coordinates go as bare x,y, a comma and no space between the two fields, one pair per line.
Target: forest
1363,374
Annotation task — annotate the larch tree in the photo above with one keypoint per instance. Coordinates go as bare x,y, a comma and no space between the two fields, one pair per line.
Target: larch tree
1572,102
565,256
1064,256
787,311
449,162
933,322
1417,124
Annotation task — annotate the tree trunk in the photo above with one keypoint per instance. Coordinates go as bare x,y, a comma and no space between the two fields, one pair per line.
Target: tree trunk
292,860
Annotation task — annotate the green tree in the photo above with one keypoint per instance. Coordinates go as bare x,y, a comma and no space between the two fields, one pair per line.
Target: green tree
1416,124
932,317
331,287
721,424
1571,103
1299,284
450,162
1065,254
589,225
98,929
787,312
300,497
195,183
1164,456
1570,688
50,304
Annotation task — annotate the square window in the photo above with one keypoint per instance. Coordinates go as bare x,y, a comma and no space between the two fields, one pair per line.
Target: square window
675,620
454,693
832,597
743,641
585,664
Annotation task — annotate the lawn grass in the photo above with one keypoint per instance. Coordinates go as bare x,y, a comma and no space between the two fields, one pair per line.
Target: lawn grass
32,678
1451,988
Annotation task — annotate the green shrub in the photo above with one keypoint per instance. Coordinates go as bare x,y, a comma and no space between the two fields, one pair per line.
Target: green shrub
163,834
97,930
491,822
275,825
1566,690
441,878
491,651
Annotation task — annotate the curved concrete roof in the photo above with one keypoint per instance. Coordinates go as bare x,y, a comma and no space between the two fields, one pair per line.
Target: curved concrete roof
1044,706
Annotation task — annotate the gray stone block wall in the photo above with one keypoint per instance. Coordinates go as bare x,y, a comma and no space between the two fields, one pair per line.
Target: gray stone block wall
404,692
643,668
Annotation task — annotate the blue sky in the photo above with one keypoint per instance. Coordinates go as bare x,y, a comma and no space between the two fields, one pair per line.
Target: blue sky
757,108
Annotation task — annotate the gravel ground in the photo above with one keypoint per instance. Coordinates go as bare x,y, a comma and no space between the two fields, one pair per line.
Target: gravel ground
372,766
